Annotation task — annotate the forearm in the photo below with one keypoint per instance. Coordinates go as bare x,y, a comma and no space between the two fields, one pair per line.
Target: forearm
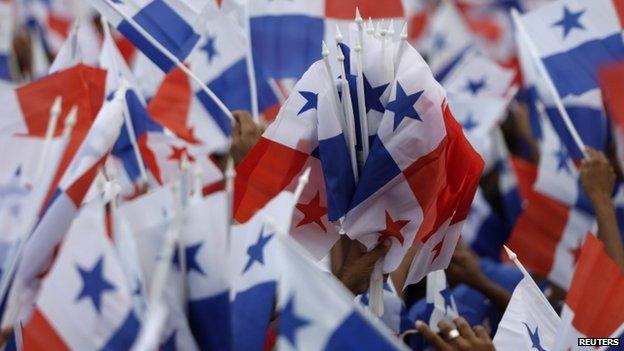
496,293
608,231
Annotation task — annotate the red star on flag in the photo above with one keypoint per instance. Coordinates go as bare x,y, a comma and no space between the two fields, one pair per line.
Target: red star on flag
437,249
393,229
178,152
576,252
313,212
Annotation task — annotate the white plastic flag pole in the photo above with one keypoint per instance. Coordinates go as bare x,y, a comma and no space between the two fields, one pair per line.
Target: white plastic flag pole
126,115
514,258
230,173
375,289
370,28
348,107
301,184
332,82
251,72
547,79
198,177
386,49
177,62
55,113
44,180
153,325
402,44
361,96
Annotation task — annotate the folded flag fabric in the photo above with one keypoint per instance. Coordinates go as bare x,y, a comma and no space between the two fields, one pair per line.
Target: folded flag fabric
445,47
560,234
594,304
286,37
220,61
81,46
479,92
317,313
85,301
417,141
288,147
148,219
440,300
22,190
178,107
173,24
206,274
529,321
63,206
254,271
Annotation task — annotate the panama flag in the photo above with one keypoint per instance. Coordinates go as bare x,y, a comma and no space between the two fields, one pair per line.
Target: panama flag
85,301
443,45
178,107
6,39
558,176
254,271
206,272
149,219
529,321
27,108
316,312
582,36
560,234
286,36
220,62
595,301
440,301
479,91
81,46
173,24
289,146
63,206
418,141
22,189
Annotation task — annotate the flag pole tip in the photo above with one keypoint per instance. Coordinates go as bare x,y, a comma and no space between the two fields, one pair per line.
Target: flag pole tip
71,119
56,105
391,27
325,50
358,16
512,255
404,32
339,37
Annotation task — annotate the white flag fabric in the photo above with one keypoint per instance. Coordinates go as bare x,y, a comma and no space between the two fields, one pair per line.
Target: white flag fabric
529,321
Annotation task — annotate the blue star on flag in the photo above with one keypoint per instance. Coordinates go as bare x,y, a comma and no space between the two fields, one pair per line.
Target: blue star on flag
373,96
535,339
191,258
311,101
470,123
256,251
94,284
562,156
290,322
403,106
439,42
448,299
170,343
209,48
475,86
569,21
